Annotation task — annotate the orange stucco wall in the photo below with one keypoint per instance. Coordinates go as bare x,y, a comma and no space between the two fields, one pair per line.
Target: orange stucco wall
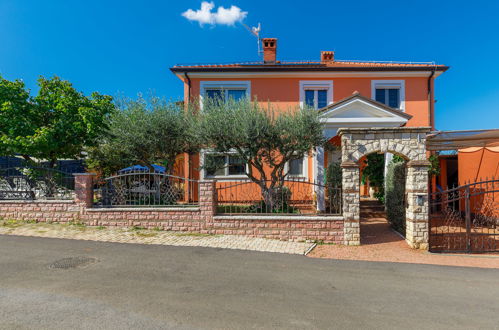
284,93
480,164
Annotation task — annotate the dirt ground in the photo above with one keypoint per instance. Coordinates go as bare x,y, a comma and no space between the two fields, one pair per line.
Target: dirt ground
380,243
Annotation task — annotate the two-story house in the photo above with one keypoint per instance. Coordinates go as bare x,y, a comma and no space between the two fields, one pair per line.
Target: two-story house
347,93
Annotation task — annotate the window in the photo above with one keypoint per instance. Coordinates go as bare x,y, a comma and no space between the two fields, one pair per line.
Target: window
223,165
389,92
389,96
316,99
225,94
225,90
296,167
316,94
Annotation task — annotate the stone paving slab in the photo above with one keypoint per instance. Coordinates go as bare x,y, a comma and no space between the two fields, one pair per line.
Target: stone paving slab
143,236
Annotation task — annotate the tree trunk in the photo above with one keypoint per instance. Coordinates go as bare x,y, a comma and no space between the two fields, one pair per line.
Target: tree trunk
275,198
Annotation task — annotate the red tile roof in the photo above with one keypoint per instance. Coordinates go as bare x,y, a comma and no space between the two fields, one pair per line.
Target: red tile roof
312,66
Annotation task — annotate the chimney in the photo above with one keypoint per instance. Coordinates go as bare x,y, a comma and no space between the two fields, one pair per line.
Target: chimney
327,57
269,50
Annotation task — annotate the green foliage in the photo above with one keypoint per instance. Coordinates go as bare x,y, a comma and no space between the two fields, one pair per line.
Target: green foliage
333,175
57,123
374,171
398,159
395,194
259,136
434,168
153,131
263,138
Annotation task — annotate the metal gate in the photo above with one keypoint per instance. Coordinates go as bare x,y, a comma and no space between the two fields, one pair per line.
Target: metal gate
465,218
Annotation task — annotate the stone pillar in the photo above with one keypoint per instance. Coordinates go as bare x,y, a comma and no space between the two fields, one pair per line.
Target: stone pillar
207,197
319,180
84,189
417,208
351,202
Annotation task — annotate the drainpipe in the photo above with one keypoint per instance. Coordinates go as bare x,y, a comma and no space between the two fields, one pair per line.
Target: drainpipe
189,86
430,100
431,119
188,174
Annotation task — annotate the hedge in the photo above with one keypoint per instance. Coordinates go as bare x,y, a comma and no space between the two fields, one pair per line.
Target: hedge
395,195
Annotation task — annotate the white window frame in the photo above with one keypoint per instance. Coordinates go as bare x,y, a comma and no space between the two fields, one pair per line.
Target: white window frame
390,84
316,85
204,176
304,174
223,85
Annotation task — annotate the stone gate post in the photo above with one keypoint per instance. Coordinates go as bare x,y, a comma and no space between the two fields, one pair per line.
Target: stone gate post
351,202
417,217
84,189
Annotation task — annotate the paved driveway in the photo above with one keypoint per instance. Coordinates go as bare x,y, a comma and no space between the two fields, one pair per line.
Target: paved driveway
152,287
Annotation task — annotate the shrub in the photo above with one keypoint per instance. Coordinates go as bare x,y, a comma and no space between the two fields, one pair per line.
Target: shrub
395,195
333,175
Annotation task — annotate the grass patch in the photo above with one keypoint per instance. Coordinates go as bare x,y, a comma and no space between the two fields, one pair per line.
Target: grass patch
11,223
193,235
321,242
146,234
100,227
137,228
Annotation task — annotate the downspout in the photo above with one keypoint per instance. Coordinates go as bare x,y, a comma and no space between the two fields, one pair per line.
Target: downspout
431,103
189,192
188,87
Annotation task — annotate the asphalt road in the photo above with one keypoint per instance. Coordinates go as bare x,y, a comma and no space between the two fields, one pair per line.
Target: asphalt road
152,287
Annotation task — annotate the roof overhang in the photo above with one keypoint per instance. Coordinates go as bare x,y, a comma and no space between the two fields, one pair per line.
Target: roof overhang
455,140
283,70
304,74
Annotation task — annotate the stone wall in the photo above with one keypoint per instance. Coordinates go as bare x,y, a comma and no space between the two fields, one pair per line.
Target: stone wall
200,219
408,142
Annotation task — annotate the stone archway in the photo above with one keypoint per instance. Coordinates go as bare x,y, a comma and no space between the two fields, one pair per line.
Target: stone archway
409,142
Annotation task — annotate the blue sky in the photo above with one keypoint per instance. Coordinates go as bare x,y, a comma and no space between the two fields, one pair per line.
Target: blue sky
127,46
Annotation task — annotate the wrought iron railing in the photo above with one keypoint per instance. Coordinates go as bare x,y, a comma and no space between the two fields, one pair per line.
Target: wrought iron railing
465,218
292,197
146,189
30,183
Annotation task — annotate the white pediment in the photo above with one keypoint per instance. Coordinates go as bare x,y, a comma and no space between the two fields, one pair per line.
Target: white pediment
360,112
358,109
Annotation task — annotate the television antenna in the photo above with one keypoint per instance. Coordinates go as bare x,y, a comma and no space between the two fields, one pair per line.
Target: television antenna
255,30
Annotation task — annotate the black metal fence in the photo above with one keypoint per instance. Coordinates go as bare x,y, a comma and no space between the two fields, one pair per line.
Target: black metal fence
30,183
465,218
293,197
146,189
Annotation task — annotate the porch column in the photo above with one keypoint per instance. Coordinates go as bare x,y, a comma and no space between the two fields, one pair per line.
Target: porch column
319,180
351,202
416,215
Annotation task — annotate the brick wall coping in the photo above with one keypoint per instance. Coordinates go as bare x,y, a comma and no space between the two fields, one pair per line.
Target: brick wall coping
143,209
258,217
39,201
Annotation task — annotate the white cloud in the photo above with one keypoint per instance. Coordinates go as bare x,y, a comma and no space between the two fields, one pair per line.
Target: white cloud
224,16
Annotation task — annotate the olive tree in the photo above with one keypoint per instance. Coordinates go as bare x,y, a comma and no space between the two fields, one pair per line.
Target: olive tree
265,139
145,132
